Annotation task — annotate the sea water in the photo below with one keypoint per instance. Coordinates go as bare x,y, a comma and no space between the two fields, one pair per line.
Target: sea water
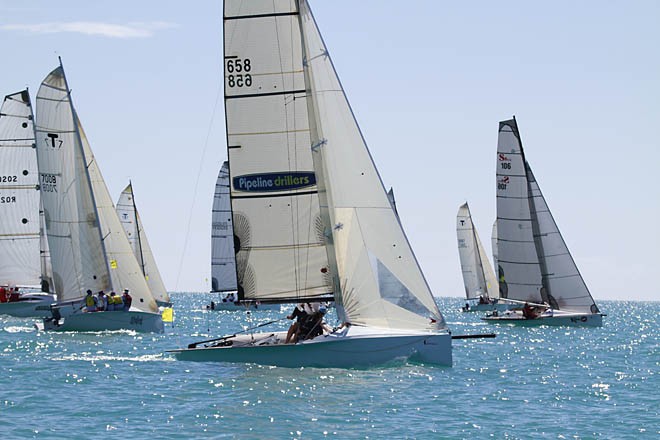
546,382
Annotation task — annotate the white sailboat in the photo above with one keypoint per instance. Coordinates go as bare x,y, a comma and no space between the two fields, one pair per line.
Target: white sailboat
89,248
478,276
132,223
286,110
534,264
24,277
223,255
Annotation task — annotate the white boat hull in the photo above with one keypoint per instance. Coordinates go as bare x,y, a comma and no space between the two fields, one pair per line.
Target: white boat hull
143,322
557,319
353,348
29,305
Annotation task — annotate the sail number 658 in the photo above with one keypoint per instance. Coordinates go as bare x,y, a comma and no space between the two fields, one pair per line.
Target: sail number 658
237,72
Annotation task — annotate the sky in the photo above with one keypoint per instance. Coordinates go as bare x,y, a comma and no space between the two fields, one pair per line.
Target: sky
428,81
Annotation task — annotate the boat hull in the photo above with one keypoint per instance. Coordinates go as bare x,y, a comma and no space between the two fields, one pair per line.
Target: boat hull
563,319
355,348
143,322
29,305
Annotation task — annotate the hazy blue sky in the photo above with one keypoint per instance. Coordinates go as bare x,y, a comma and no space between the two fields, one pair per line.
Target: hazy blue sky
428,81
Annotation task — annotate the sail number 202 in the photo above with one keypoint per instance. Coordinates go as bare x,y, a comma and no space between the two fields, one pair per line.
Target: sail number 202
238,72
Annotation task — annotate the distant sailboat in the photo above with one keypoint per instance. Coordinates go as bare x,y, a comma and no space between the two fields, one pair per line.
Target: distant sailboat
478,276
223,256
309,208
534,264
89,248
132,223
24,267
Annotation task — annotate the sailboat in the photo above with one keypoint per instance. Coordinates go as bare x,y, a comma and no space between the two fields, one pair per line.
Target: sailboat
24,276
478,276
132,223
89,248
535,266
223,255
295,147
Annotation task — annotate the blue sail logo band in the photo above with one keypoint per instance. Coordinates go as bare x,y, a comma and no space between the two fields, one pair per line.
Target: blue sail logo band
267,182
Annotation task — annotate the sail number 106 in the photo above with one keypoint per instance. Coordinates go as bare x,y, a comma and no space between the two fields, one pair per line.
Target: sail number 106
237,72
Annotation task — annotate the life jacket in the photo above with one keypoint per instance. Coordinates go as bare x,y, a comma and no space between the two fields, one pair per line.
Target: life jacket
89,301
117,299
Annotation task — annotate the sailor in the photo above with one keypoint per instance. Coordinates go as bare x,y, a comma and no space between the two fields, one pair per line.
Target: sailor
3,294
300,315
127,300
117,302
102,302
90,302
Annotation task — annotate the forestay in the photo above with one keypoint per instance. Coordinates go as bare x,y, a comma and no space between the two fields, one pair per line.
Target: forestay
223,257
137,237
19,194
274,196
378,280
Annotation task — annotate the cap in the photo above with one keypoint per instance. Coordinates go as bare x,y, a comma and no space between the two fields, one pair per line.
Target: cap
323,308
125,290
89,292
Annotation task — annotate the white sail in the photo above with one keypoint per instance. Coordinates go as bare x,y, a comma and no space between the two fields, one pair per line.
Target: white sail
223,257
280,253
19,194
478,276
379,281
564,286
137,237
518,263
72,226
89,249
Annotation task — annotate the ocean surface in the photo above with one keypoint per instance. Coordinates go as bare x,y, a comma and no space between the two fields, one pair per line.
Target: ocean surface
545,382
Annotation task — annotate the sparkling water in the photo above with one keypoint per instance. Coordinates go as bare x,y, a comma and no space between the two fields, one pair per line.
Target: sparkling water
546,382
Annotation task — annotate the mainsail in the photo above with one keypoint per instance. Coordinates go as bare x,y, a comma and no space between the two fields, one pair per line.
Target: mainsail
20,232
534,262
280,253
478,276
223,257
132,223
378,281
89,249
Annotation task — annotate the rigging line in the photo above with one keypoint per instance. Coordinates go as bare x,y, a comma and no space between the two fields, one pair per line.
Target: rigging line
199,173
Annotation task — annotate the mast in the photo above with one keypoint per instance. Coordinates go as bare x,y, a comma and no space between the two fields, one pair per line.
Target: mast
89,179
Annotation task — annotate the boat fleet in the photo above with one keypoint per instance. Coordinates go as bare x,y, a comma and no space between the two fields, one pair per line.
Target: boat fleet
300,216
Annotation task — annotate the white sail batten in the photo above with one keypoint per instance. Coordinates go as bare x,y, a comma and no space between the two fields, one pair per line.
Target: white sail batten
72,225
280,253
478,277
380,281
564,286
132,223
223,257
19,194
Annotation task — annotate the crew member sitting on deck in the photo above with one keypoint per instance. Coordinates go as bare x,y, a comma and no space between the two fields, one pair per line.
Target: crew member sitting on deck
300,315
313,325
90,302
528,311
